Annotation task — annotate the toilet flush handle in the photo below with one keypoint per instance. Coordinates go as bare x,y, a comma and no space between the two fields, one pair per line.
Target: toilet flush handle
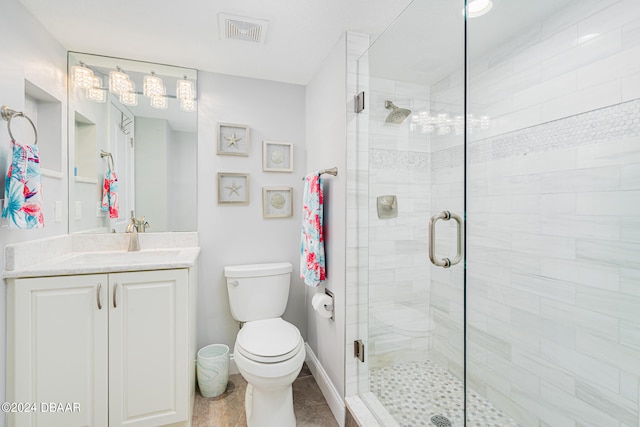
234,283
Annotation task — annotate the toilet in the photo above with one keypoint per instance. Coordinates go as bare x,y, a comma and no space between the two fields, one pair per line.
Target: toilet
269,351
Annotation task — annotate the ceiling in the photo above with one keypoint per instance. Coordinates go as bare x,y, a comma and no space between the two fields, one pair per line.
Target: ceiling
300,33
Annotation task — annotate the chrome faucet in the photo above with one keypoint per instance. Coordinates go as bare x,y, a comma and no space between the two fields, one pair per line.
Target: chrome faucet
134,241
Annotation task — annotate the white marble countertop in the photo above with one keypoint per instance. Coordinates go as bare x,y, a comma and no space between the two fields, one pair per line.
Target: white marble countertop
70,255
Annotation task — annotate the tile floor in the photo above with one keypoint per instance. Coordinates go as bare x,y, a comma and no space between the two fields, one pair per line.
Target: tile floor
415,392
227,410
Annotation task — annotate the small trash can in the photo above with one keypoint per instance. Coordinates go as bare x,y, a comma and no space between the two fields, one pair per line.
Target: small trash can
212,369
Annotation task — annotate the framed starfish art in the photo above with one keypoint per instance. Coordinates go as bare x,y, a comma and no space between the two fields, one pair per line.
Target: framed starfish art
233,188
233,140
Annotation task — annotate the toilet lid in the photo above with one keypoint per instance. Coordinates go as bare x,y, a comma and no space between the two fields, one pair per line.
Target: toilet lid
268,341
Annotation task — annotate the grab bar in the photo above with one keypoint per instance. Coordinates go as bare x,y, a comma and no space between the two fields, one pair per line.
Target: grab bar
444,262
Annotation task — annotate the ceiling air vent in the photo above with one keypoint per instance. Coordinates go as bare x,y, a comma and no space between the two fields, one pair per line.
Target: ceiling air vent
241,28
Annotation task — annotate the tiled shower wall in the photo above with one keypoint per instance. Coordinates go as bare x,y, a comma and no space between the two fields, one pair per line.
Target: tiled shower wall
553,281
399,324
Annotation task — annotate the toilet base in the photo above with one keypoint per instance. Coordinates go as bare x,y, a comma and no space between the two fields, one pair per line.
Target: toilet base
272,407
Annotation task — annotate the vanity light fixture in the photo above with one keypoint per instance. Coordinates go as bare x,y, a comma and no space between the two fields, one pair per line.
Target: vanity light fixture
153,86
188,105
96,92
160,102
185,89
82,76
130,97
118,81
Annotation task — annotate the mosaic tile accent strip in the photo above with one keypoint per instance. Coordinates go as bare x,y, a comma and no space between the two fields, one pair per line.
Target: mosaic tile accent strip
608,123
395,159
414,392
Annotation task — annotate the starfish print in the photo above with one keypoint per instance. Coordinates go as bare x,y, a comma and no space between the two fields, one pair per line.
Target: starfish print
233,140
233,188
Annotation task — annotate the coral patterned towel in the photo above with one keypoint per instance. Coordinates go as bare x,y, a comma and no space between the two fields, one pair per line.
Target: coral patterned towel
23,189
312,264
110,194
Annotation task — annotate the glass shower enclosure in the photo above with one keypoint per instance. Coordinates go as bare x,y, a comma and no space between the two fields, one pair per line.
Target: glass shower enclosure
500,267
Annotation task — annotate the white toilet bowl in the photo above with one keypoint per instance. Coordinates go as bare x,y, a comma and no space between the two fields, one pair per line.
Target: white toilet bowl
269,354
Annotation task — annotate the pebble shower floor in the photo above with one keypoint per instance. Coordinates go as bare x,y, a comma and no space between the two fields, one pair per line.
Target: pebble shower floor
414,392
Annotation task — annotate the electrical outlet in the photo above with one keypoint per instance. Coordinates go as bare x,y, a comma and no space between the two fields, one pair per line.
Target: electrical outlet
99,212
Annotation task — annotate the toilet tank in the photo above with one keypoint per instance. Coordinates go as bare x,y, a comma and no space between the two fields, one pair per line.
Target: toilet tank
258,291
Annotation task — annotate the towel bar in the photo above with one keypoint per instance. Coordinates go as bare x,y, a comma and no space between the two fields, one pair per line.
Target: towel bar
331,171
8,114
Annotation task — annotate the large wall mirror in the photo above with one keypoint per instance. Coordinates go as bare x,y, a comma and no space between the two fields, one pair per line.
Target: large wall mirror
132,145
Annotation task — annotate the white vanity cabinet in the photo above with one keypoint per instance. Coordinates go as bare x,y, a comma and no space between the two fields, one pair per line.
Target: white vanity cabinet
107,349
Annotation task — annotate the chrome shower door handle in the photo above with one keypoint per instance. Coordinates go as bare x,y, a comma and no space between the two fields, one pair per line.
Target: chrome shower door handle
444,262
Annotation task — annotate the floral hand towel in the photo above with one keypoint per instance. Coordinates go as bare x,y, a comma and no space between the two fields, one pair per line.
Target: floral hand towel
312,262
110,194
23,189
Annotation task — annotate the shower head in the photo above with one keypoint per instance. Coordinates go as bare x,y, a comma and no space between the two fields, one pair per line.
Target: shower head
397,114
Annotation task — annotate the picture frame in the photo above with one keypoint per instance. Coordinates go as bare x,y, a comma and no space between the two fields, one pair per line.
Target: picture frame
277,202
233,139
233,188
277,156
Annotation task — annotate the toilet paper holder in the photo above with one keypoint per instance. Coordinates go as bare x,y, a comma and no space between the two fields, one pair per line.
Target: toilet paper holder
330,307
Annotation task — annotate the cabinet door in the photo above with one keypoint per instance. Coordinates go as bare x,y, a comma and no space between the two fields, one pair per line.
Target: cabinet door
58,351
148,347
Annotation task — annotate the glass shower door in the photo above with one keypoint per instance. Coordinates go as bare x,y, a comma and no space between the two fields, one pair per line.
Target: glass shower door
412,133
553,220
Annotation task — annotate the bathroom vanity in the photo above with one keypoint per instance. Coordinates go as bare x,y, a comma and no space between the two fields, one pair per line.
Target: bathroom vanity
102,338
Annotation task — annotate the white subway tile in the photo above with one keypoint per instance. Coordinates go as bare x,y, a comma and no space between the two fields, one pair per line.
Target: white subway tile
580,411
621,409
613,304
544,287
588,273
579,318
609,203
544,369
610,68
577,180
630,334
610,18
582,101
545,91
609,351
558,203
623,151
581,226
629,279
550,246
630,176
630,229
581,365
583,54
523,184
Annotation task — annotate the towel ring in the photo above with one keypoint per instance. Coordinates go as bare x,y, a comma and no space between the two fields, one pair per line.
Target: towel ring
8,114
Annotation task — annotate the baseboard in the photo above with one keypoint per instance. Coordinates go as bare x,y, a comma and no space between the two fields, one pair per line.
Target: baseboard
331,395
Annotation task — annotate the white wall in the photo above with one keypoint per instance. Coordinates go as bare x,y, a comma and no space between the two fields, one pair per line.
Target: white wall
33,55
231,234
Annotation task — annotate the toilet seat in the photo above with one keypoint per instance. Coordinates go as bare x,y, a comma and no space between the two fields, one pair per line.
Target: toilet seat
269,340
